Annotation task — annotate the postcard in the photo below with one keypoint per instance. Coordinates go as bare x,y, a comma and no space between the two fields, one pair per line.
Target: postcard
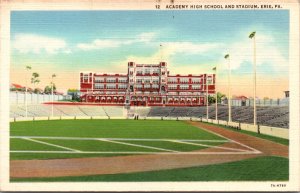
159,95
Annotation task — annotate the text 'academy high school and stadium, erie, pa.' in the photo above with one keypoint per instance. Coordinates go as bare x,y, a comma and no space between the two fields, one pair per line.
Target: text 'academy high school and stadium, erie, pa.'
146,85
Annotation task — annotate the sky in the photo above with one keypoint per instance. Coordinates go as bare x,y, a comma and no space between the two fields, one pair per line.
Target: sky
191,42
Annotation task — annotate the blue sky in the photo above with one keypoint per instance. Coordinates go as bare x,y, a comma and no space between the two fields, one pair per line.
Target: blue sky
192,41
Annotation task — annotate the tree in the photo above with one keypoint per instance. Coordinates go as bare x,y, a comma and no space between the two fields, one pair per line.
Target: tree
212,99
75,93
35,80
47,89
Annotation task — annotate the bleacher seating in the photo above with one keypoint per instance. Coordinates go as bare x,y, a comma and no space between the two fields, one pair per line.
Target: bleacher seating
113,111
270,116
92,110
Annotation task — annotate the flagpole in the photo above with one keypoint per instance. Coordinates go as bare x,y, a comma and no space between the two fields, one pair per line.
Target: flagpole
229,91
252,35
26,109
52,96
216,93
254,81
52,87
229,87
26,90
206,98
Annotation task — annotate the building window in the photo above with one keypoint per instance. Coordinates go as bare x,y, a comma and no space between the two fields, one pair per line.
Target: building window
122,86
99,79
122,80
147,71
99,86
184,80
172,87
155,86
139,86
86,77
184,87
110,80
195,80
155,81
172,80
110,86
196,87
209,80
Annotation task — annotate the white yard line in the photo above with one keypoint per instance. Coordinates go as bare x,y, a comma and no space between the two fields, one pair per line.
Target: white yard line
135,152
50,144
118,139
135,145
255,150
198,144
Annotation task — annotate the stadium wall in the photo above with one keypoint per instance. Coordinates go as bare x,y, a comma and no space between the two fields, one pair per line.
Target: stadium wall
32,98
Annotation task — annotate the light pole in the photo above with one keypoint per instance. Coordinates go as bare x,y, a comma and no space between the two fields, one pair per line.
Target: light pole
252,36
206,98
215,69
229,88
28,68
52,110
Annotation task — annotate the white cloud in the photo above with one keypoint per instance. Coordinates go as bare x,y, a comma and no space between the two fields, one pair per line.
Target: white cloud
36,44
98,44
267,52
146,37
170,48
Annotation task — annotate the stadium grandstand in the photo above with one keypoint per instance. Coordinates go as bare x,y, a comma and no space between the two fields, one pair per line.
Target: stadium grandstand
269,116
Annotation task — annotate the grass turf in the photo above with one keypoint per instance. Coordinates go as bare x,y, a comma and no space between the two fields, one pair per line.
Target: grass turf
263,136
154,129
254,169
150,129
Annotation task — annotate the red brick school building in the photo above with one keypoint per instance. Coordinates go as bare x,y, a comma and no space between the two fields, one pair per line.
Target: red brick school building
146,85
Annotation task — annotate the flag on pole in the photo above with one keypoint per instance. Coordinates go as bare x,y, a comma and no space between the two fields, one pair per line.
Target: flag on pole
252,35
226,56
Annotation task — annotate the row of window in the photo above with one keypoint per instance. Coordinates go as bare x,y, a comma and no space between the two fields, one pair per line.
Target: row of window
184,93
112,80
183,87
155,86
147,81
112,86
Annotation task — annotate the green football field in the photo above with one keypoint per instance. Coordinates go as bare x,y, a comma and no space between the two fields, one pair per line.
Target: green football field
57,139
94,138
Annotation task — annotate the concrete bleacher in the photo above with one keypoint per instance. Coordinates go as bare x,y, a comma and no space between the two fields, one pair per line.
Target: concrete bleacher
160,111
141,111
269,116
113,111
92,110
69,110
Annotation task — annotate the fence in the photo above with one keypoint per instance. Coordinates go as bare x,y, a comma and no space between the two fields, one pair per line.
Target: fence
32,98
